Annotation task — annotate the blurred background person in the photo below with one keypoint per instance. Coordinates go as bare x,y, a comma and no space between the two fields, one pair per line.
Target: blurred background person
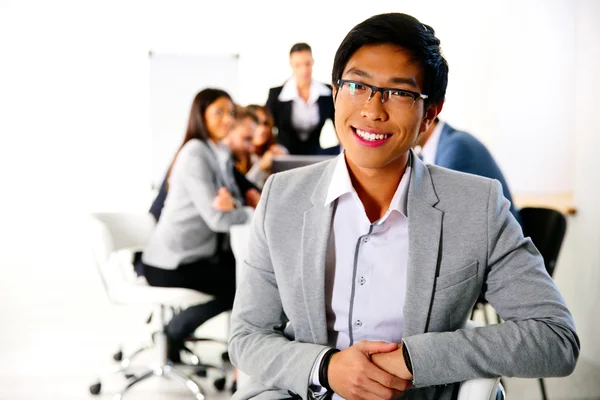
301,106
447,147
239,142
265,146
189,247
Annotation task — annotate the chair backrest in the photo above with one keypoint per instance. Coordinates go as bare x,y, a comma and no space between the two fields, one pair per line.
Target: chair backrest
546,228
113,234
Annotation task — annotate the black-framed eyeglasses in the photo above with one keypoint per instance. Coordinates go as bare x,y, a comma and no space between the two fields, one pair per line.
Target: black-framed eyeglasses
361,93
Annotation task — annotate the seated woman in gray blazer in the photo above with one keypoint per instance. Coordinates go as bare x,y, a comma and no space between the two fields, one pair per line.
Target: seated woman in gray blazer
189,247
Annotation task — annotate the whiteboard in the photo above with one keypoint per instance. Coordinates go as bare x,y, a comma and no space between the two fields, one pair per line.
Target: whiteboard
175,79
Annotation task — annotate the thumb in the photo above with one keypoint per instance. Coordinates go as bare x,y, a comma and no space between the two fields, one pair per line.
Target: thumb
376,347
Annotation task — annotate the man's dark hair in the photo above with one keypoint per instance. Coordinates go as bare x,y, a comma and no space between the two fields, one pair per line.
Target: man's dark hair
300,47
404,31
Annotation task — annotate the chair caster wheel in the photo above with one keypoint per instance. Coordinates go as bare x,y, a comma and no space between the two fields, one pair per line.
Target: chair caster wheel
118,356
234,387
95,388
225,356
220,384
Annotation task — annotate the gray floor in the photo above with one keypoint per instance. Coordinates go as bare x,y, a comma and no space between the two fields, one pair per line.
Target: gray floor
58,331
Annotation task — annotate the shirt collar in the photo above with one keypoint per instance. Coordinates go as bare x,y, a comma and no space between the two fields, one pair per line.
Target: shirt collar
341,185
289,91
429,150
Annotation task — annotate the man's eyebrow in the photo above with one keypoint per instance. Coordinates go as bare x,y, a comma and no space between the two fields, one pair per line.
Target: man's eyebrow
396,80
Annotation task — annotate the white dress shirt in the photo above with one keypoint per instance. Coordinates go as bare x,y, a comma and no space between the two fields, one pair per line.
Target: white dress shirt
365,283
429,150
305,114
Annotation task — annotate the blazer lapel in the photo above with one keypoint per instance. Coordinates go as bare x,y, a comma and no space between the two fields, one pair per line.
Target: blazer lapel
315,237
425,228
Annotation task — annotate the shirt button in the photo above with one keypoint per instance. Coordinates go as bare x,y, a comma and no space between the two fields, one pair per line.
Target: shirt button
358,323
362,280
366,239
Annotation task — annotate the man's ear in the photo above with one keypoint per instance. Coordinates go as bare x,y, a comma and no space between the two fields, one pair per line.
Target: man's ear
432,111
334,92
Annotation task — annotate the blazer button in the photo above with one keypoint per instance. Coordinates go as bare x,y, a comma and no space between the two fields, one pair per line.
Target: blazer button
358,323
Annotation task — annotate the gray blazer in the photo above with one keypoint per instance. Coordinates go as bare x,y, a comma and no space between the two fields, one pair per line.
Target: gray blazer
462,240
188,226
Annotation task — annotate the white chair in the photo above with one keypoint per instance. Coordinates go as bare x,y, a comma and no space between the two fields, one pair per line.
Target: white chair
475,389
115,236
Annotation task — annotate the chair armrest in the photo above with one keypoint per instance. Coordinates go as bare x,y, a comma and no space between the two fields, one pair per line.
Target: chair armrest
479,389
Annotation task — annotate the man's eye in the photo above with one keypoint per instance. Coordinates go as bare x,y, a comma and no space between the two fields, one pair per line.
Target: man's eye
400,93
357,86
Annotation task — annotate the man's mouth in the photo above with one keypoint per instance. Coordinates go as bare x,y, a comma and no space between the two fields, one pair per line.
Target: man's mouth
371,137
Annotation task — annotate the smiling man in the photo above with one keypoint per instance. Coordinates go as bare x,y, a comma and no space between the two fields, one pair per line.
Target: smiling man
363,270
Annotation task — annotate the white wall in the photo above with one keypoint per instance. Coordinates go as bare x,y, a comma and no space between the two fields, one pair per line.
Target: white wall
578,271
74,99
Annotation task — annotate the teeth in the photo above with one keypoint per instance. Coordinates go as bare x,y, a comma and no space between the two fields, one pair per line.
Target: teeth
370,136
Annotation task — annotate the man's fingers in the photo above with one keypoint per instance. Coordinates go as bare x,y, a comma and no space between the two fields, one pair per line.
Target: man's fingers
376,347
384,394
385,379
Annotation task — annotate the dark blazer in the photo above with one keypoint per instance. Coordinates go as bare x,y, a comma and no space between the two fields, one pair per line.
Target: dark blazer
288,136
462,152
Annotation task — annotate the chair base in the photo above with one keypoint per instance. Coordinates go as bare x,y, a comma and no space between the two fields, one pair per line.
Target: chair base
166,371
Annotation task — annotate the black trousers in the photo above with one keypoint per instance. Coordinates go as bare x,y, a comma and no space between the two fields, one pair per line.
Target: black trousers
214,276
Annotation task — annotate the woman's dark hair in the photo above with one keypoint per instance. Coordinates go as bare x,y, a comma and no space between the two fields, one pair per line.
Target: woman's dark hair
196,128
407,32
300,47
260,150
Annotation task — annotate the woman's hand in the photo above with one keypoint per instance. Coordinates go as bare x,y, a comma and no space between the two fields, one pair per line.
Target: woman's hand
266,161
278,150
224,201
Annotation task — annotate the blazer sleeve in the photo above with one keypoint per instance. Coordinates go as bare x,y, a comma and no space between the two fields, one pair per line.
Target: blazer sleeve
193,170
538,336
257,344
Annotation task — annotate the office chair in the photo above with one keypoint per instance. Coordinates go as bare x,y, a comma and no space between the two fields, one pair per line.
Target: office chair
546,228
115,236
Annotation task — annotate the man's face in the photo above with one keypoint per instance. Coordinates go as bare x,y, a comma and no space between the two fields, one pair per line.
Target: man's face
241,137
394,124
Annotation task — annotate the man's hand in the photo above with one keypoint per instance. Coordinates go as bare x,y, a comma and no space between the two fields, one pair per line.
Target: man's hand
393,363
352,375
252,197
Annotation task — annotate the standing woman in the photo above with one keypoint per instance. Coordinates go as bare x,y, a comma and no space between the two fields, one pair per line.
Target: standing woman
301,106
189,247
